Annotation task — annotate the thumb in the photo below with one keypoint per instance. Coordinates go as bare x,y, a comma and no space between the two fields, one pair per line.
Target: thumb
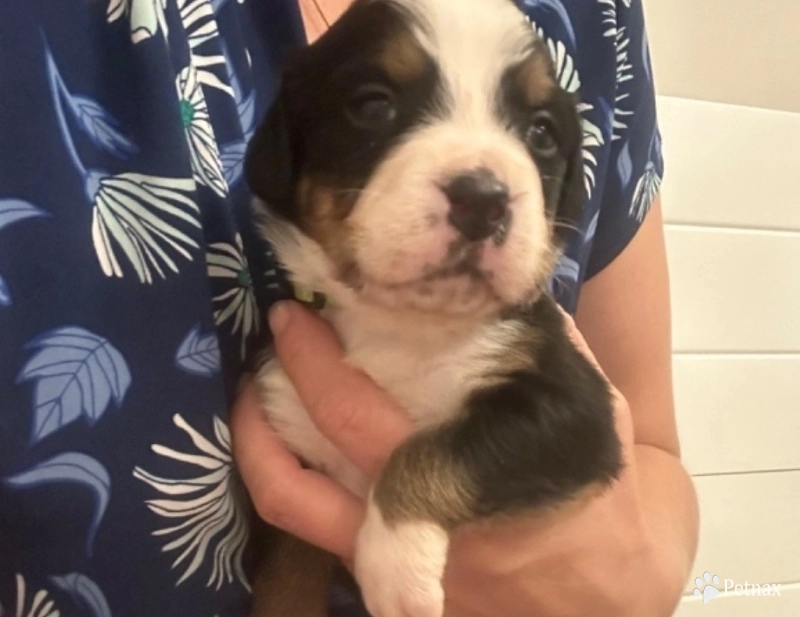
346,406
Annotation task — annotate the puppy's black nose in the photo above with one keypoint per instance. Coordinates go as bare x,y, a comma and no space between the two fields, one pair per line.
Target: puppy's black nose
478,203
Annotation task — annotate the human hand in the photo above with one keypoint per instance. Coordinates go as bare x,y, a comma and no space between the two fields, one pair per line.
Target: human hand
345,405
588,558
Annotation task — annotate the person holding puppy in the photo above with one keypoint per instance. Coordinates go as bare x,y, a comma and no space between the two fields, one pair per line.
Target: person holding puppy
118,494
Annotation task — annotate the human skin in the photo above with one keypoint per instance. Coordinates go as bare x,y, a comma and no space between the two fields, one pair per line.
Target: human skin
625,552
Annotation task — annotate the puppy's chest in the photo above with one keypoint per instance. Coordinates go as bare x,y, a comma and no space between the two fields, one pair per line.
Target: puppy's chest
430,384
430,377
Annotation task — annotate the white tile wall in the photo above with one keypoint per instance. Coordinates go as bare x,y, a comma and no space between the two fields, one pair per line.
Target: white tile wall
733,234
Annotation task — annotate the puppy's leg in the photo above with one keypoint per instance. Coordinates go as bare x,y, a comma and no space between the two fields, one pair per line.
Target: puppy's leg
293,579
529,442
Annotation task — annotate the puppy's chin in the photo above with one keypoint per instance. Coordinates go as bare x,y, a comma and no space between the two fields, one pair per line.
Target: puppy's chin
456,296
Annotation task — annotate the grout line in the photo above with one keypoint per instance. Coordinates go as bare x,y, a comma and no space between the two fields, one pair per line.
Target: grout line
749,472
747,229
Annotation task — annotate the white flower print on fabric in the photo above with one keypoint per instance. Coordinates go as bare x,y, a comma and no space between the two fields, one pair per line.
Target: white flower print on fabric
201,29
40,605
206,164
229,273
206,520
570,80
609,17
624,76
146,17
139,216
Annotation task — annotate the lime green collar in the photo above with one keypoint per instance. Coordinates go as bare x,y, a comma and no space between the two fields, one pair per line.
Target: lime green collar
314,300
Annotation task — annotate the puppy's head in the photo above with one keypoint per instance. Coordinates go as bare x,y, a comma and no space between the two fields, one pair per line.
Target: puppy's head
426,149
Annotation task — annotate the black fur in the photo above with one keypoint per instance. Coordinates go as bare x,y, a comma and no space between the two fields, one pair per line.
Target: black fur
544,434
307,133
537,438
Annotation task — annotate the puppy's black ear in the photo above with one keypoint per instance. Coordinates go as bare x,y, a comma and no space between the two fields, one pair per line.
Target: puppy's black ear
572,199
271,159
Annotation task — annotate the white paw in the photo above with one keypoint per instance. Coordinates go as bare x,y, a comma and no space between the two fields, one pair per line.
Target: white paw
400,568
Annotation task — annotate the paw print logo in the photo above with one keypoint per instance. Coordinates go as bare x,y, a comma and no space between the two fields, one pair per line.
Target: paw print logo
705,589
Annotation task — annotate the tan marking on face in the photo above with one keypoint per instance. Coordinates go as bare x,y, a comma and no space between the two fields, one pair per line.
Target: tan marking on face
323,213
403,58
535,78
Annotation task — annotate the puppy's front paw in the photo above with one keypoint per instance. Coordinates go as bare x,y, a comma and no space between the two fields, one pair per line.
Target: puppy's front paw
400,567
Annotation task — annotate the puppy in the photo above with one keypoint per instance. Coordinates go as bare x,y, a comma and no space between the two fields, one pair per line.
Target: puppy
420,170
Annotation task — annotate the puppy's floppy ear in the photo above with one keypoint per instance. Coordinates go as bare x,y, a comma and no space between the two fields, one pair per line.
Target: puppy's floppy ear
572,199
272,157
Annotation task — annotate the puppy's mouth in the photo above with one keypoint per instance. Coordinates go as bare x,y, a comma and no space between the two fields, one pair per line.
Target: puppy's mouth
458,286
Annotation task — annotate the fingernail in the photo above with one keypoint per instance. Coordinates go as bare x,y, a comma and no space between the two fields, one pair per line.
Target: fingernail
278,317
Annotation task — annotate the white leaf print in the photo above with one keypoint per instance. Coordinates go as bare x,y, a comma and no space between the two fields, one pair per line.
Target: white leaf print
40,605
592,139
146,16
624,76
204,512
646,191
206,163
609,17
230,274
200,25
140,216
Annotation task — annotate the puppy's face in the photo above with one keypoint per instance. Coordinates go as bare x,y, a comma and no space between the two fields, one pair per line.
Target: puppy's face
426,147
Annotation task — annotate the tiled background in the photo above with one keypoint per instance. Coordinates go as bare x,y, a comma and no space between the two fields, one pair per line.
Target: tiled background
728,72
728,76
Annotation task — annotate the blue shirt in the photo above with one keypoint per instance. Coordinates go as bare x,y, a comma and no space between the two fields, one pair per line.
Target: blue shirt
130,284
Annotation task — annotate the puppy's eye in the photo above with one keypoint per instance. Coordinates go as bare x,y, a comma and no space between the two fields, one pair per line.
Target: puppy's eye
372,107
542,135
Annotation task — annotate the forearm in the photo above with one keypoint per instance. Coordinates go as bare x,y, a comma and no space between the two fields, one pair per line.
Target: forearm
670,511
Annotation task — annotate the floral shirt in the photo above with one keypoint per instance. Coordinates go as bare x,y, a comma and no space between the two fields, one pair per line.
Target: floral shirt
131,285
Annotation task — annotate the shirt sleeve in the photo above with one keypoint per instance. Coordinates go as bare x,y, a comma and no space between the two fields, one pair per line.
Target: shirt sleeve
636,167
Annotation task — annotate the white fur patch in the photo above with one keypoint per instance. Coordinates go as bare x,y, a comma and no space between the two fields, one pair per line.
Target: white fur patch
400,568
400,220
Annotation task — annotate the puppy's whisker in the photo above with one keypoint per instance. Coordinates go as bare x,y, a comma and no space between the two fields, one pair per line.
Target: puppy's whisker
564,225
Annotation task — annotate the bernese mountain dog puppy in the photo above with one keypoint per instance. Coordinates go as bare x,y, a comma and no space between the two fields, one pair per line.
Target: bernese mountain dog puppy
420,169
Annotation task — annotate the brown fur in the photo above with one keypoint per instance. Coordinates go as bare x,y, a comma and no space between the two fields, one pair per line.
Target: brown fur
325,211
417,484
403,58
536,79
292,579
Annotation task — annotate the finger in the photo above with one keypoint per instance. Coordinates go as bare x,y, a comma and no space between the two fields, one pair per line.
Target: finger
622,413
297,500
577,339
347,407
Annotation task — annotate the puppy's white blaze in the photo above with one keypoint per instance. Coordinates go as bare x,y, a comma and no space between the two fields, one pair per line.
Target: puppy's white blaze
473,41
401,220
400,567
